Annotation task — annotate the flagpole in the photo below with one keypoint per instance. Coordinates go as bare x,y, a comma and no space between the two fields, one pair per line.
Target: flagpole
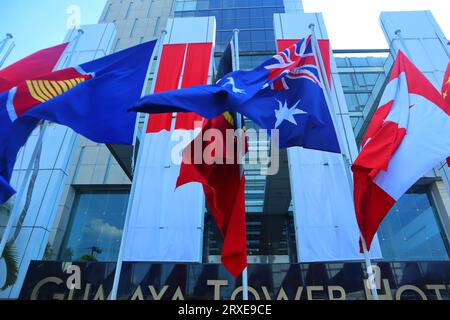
239,125
324,79
5,41
119,263
16,209
403,46
19,195
9,50
75,45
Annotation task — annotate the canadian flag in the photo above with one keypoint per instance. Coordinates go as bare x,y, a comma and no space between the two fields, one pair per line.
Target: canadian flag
409,134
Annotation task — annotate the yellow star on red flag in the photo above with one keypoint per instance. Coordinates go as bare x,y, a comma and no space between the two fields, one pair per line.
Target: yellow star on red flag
446,86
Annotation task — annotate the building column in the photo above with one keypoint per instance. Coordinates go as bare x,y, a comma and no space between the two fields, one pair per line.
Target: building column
54,165
325,222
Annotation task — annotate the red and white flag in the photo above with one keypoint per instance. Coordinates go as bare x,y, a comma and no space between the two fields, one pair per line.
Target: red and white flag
409,134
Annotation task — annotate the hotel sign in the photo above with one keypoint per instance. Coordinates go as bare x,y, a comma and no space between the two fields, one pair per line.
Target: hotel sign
167,281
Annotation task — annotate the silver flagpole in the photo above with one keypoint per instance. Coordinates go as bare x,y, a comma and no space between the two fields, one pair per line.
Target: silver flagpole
239,125
403,46
5,41
119,263
75,45
16,209
8,52
327,90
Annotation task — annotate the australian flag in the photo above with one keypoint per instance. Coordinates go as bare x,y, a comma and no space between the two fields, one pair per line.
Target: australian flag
284,93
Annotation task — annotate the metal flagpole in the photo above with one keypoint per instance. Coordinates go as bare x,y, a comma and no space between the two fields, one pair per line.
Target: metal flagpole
327,90
5,41
239,125
16,209
10,49
75,45
133,185
403,46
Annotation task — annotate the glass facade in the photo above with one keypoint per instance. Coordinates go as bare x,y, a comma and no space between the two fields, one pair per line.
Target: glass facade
95,228
270,238
359,78
253,18
412,230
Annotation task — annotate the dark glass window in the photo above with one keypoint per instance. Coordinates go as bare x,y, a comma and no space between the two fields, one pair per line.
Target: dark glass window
202,4
228,24
257,23
256,13
259,46
258,35
241,3
243,13
213,4
412,229
255,3
245,36
95,228
270,237
243,23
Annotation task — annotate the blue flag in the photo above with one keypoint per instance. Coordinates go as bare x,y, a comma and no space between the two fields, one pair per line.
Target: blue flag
283,93
91,98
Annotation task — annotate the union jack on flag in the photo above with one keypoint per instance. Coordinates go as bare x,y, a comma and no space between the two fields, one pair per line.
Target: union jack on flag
297,61
284,93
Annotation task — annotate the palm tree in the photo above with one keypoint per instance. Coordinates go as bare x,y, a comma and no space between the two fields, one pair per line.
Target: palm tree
10,252
11,261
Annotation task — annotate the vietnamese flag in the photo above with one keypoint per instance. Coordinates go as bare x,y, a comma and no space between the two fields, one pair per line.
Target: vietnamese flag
224,186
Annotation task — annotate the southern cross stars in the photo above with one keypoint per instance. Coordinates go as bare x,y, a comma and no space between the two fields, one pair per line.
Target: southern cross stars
286,113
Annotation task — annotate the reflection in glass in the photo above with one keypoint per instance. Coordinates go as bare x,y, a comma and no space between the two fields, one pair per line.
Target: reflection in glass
95,227
411,230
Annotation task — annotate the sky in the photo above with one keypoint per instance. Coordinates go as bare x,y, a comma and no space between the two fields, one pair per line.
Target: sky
354,24
351,24
38,24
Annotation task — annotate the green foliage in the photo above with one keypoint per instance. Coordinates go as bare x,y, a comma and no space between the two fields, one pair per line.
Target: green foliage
67,255
88,258
48,252
12,269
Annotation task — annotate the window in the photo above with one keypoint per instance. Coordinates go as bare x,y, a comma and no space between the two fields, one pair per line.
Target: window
270,239
95,227
412,230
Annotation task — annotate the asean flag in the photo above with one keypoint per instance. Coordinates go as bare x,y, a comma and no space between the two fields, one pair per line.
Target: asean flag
409,134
